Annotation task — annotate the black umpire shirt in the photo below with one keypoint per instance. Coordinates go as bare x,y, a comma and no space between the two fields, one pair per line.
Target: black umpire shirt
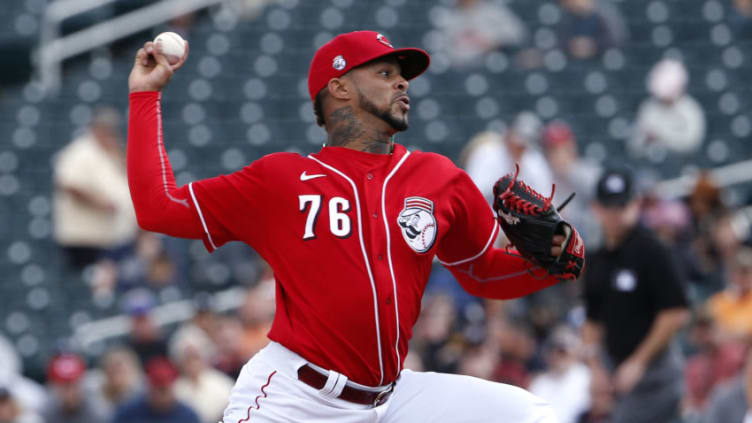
627,287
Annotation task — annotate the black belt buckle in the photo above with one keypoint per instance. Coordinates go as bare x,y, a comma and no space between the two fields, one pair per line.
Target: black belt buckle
383,396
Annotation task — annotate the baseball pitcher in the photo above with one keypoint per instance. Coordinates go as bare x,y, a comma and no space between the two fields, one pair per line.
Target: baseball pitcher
351,232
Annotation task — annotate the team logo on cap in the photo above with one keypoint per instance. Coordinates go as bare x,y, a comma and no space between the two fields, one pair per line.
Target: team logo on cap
383,40
339,63
615,184
418,223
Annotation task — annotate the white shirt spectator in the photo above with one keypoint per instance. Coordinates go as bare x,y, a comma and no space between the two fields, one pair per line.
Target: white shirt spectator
568,392
670,119
86,166
489,160
677,126
30,395
475,28
200,385
208,395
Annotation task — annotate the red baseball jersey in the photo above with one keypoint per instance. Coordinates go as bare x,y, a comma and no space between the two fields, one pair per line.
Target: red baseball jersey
350,235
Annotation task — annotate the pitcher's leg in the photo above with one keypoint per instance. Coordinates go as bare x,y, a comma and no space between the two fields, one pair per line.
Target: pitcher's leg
446,398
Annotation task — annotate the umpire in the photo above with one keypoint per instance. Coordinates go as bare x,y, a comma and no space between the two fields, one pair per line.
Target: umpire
635,304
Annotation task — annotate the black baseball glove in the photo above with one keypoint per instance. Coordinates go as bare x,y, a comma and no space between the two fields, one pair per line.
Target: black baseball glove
531,221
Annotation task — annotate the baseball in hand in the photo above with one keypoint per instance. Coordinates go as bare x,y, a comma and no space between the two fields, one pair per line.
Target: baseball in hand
172,46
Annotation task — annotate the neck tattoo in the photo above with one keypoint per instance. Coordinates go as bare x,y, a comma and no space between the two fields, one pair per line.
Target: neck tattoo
346,130
345,127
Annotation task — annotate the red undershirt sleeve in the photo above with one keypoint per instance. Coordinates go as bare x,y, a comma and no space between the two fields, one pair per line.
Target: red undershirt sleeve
217,210
160,205
467,250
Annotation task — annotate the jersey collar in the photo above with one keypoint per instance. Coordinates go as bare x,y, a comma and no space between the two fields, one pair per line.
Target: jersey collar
361,159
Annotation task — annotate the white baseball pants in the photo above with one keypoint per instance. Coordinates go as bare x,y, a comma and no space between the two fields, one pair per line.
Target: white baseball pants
268,390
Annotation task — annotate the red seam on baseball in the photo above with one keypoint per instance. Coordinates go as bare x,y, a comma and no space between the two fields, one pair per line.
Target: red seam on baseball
423,234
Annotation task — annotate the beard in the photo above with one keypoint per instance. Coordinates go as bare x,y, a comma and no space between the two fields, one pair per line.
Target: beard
397,123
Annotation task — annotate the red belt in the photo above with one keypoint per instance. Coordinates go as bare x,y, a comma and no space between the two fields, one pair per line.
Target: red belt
313,378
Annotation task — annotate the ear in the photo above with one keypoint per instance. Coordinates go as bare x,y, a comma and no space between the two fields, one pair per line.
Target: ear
340,88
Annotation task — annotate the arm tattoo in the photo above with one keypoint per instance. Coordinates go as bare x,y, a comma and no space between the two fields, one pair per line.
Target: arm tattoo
345,127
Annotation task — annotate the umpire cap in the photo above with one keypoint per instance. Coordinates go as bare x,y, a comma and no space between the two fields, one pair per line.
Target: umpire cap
352,49
615,187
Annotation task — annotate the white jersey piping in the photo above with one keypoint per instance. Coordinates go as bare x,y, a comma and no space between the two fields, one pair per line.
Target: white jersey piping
389,254
201,216
365,259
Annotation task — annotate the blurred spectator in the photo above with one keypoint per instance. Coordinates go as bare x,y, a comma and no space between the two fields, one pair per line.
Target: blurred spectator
670,121
489,156
705,200
635,304
159,404
248,9
93,213
715,251
439,348
478,360
10,359
68,402
726,236
671,222
572,173
199,385
707,207
181,25
205,317
442,281
475,28
104,279
203,322
669,219
413,362
117,381
228,339
601,400
588,27
732,307
145,339
715,362
566,383
740,19
256,314
149,264
732,402
516,347
11,410
28,394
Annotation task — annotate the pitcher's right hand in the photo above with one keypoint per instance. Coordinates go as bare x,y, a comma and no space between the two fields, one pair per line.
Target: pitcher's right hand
151,70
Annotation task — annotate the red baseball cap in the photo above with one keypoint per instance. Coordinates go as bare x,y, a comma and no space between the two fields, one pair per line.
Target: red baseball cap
557,133
66,368
161,372
350,50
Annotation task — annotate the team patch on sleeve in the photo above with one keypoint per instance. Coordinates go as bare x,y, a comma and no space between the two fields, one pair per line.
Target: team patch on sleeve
418,224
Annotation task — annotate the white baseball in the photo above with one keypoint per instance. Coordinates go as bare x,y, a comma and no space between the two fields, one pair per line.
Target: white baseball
172,45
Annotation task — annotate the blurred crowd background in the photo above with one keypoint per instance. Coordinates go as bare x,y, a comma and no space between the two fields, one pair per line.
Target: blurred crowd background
102,322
